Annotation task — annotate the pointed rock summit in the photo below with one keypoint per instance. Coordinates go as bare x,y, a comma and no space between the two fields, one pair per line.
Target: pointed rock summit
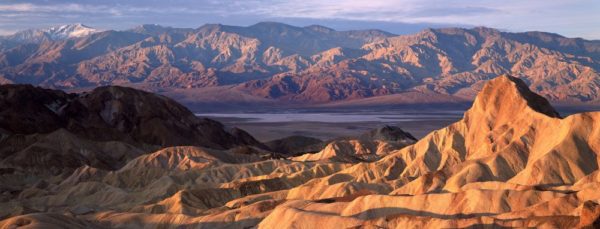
507,95
509,134
389,133
510,158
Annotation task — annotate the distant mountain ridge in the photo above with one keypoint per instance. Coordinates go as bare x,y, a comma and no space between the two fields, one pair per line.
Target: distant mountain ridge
52,33
312,64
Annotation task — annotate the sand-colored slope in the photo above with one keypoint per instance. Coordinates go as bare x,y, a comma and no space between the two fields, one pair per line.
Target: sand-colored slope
177,185
368,147
512,161
510,142
350,151
508,134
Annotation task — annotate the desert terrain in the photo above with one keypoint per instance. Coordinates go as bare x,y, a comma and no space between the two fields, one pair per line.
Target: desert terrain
104,159
300,114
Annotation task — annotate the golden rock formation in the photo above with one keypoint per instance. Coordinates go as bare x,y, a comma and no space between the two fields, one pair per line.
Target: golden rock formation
512,161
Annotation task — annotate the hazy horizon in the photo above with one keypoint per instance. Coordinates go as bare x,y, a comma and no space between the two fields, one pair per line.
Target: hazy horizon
568,18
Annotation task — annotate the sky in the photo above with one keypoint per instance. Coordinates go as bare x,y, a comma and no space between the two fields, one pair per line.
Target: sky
571,18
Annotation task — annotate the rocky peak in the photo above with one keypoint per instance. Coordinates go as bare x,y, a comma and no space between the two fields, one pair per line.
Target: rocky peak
320,29
389,133
209,29
150,29
72,30
428,34
508,95
159,30
55,33
485,31
273,26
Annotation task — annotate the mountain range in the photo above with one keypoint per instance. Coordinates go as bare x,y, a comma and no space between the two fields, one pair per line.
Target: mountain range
277,63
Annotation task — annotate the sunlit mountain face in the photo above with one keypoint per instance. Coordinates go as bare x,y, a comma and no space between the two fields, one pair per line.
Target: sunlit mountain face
128,158
299,114
281,63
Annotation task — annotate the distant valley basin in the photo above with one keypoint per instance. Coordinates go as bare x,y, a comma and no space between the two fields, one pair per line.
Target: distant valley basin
327,124
332,124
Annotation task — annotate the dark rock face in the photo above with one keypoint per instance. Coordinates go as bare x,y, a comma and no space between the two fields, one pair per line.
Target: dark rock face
295,145
245,138
389,133
535,101
49,130
26,109
111,113
298,145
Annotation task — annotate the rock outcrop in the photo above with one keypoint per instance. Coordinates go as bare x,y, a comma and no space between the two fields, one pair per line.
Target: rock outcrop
295,145
111,113
46,130
512,161
368,147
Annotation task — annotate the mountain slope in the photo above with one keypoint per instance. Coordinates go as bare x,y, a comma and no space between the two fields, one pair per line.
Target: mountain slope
109,113
448,61
510,144
512,161
311,64
48,130
510,137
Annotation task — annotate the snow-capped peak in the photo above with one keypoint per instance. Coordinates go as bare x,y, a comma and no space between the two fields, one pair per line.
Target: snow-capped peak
68,31
53,33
